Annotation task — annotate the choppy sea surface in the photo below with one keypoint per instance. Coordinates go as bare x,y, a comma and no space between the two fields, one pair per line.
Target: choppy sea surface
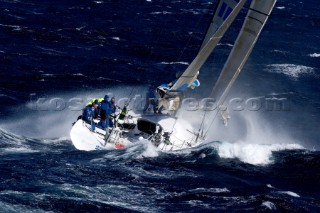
266,160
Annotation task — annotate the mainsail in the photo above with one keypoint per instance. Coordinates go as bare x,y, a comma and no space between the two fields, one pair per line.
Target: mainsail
256,18
221,13
225,14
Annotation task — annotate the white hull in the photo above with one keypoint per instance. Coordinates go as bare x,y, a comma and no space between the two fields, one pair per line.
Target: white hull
83,138
181,135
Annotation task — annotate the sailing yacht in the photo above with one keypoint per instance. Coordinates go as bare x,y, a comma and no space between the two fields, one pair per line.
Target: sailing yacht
173,133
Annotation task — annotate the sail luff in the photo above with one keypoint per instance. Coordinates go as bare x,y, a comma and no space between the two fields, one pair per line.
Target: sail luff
192,71
256,18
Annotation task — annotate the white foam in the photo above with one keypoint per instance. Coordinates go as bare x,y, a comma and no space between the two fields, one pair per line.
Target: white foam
293,194
190,11
144,148
292,70
177,62
270,186
78,74
116,38
12,26
280,51
269,205
315,55
163,13
9,207
198,203
57,141
226,44
80,28
213,190
256,154
19,150
281,7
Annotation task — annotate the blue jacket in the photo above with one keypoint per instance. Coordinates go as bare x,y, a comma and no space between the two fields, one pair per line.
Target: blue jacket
106,105
88,112
150,94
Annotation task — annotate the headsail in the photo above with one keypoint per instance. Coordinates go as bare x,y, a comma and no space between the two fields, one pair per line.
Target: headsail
224,16
256,18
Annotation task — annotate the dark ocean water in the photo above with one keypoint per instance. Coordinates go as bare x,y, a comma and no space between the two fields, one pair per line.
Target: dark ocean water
267,161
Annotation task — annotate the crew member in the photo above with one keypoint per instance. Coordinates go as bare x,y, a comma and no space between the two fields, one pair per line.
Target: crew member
150,99
87,114
105,109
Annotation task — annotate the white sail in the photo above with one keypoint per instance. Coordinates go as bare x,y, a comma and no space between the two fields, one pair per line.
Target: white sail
222,12
225,14
256,18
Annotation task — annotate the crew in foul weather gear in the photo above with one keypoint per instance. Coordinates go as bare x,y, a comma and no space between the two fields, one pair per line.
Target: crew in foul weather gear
95,105
105,109
87,114
150,99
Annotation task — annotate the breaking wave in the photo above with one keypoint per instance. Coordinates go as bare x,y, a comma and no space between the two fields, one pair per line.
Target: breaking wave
255,154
